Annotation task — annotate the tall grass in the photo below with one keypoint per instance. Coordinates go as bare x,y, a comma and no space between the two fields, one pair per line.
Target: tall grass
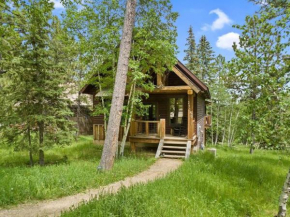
233,184
70,170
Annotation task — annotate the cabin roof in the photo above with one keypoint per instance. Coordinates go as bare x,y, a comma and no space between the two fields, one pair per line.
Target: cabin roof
89,88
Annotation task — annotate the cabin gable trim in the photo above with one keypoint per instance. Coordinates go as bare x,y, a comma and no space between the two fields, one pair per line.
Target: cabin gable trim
186,80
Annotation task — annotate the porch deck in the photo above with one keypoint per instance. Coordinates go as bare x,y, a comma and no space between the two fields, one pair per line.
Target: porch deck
154,138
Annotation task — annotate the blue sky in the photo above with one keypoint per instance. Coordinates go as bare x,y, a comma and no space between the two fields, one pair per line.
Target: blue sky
213,18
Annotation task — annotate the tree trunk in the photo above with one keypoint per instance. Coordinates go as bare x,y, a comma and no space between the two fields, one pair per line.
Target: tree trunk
224,133
217,125
30,147
111,141
253,133
234,128
230,125
212,126
284,197
78,114
103,102
41,152
127,127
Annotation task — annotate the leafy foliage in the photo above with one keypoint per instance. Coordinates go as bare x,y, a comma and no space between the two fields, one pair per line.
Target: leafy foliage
262,79
36,75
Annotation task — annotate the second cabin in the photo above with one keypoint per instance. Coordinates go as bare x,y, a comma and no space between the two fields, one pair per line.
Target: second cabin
176,120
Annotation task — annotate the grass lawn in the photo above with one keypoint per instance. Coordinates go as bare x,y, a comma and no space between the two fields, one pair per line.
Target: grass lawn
70,170
234,184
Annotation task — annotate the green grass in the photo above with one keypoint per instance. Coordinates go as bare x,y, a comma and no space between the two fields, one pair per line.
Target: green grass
70,170
233,184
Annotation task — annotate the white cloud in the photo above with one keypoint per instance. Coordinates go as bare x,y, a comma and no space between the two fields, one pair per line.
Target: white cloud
219,23
57,4
226,41
263,2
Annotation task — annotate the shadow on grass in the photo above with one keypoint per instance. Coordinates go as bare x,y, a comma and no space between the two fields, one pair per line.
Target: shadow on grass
83,149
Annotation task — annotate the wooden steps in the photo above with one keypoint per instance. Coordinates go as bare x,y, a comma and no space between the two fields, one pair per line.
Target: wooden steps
173,156
174,148
172,142
174,152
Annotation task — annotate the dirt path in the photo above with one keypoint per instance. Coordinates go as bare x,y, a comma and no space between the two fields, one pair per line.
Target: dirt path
54,207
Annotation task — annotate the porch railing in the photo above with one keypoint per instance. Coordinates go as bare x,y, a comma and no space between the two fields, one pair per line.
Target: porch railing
148,128
99,132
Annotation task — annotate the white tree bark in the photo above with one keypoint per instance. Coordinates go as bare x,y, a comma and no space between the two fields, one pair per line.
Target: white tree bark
234,128
212,126
129,114
230,125
284,197
225,121
111,141
217,125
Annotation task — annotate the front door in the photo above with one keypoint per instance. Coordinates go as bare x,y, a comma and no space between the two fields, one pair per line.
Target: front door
177,116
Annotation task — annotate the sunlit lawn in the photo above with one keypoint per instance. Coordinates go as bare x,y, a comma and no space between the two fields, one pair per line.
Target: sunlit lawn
69,170
233,184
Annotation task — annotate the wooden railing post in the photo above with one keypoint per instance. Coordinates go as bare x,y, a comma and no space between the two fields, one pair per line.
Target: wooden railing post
162,128
147,128
132,128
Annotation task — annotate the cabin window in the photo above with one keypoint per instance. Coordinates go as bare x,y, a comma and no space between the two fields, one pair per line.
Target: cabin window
176,111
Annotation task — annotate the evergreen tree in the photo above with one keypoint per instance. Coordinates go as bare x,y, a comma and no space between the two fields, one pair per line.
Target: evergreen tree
262,80
206,60
38,111
191,58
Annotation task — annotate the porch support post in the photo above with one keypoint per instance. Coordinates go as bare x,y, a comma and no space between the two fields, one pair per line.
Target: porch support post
190,114
162,128
133,146
159,80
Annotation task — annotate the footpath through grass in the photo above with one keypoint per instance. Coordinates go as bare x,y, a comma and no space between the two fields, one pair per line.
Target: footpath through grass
70,170
234,184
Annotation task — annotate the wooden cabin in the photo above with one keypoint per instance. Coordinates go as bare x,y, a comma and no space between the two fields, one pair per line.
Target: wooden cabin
176,119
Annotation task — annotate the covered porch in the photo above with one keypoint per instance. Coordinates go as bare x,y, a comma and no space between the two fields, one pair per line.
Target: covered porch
171,118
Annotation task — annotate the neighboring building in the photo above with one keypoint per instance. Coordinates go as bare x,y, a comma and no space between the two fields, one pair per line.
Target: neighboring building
82,107
176,119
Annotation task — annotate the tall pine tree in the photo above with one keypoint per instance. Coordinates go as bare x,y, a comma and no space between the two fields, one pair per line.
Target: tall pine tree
38,112
262,77
191,57
206,60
